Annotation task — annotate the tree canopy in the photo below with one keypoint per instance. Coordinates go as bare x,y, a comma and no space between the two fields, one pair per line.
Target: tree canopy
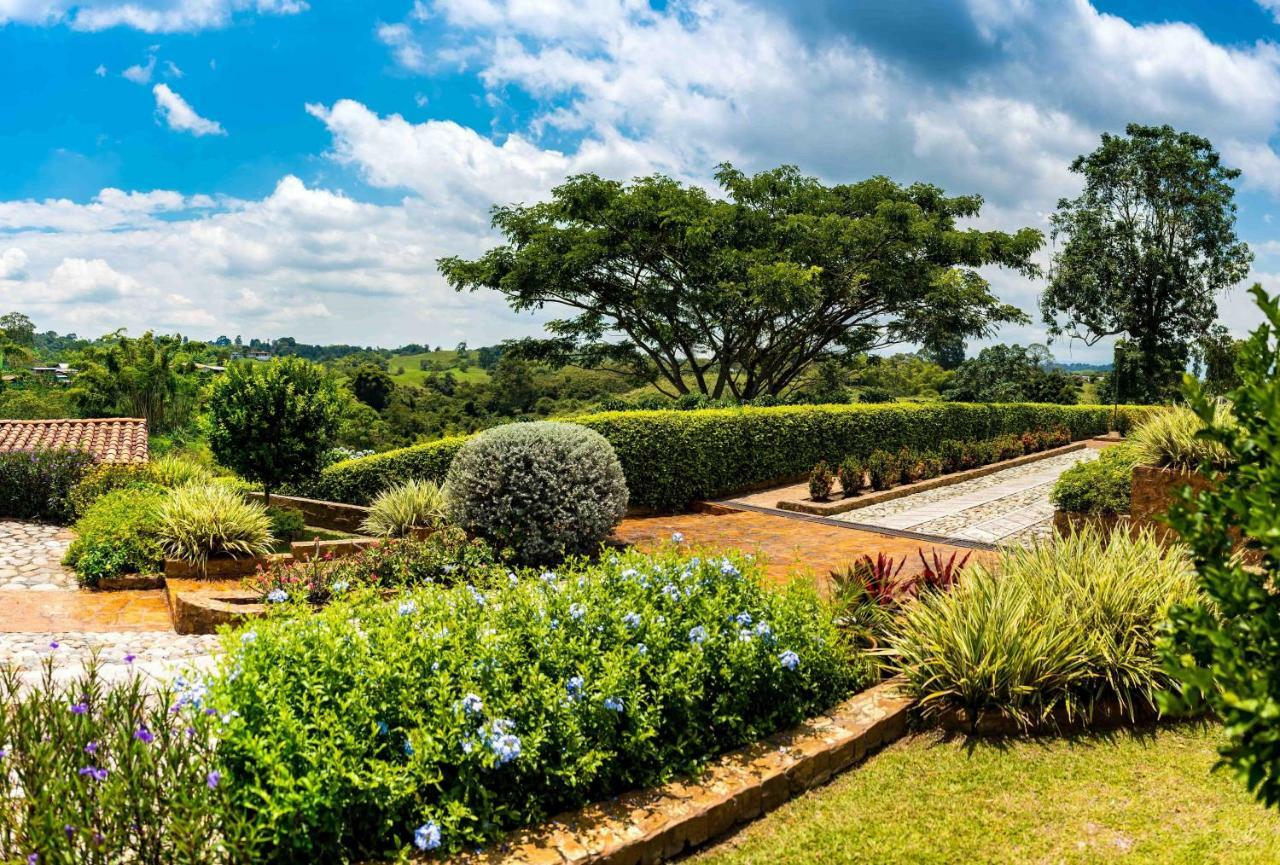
738,296
1012,373
1149,243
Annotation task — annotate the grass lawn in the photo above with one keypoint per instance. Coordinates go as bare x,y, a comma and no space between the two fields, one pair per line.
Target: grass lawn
447,360
1143,798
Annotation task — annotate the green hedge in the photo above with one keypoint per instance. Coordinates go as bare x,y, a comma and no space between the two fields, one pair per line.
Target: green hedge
671,458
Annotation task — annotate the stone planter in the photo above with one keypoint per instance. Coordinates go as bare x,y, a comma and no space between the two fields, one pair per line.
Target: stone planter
204,613
1071,522
1154,490
130,582
221,567
1106,715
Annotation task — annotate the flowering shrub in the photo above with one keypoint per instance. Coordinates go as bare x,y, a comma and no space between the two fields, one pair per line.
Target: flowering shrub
446,557
119,534
37,484
443,717
106,773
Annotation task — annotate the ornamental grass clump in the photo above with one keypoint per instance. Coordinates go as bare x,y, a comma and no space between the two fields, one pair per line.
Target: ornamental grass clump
1051,631
543,490
443,717
200,521
396,512
1174,439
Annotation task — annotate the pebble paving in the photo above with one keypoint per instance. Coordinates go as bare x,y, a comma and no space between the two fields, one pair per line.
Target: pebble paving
1009,506
31,557
157,655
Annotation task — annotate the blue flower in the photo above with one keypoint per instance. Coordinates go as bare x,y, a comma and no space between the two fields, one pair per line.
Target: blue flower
576,612
630,574
213,779
574,687
743,618
339,587
408,748
505,747
80,708
143,735
613,704
548,576
408,608
94,772
764,631
476,595
249,636
383,728
631,620
789,659
671,592
729,569
471,704
642,649
677,538
744,636
697,634
277,596
427,836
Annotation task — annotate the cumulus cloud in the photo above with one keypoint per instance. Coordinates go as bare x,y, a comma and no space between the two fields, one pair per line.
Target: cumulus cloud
181,117
140,73
13,263
154,16
404,46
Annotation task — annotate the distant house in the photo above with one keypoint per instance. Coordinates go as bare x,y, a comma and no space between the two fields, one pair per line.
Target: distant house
108,440
210,367
258,355
60,372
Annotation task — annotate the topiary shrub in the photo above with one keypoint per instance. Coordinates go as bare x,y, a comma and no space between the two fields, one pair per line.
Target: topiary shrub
119,534
199,521
399,510
853,475
1101,486
821,482
544,490
882,470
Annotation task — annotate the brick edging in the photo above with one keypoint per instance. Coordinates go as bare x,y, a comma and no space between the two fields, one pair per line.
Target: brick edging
841,506
649,826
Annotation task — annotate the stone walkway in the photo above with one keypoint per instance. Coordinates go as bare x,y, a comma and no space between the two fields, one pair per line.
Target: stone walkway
157,655
1010,506
31,557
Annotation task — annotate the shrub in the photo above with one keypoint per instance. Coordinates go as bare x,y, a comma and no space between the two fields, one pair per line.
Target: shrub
111,772
1057,627
200,521
103,479
1101,486
400,509
1008,447
37,484
931,464
882,470
853,475
543,490
671,458
1030,442
287,524
951,452
1172,439
446,557
909,465
119,534
1059,436
174,471
1223,646
821,482
480,708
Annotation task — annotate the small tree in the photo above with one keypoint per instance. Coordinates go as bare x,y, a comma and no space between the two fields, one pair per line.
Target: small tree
373,386
1226,649
273,421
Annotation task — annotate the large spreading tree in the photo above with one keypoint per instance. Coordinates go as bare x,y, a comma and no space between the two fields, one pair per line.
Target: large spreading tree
1147,247
738,296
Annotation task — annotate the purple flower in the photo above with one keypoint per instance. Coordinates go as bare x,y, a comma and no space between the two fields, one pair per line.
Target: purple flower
91,748
94,772
143,735
80,708
53,644
129,658
213,779
789,660
33,859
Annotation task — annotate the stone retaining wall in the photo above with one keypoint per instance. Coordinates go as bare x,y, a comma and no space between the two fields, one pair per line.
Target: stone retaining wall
1153,491
649,826
337,516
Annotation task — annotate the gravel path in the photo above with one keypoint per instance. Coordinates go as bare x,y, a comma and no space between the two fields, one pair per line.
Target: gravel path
31,557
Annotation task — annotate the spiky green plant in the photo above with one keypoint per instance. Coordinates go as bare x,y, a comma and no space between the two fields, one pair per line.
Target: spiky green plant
175,471
1174,439
398,510
1063,624
202,520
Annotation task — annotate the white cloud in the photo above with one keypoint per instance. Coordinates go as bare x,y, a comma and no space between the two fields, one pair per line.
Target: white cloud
180,116
404,46
90,281
172,70
1272,6
13,264
150,16
101,71
141,73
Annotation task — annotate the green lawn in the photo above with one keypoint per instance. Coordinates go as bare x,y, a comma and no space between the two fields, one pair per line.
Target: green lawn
446,360
1128,798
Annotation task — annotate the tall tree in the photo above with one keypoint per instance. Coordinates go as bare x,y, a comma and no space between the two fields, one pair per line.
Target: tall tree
739,296
1012,373
150,376
1147,246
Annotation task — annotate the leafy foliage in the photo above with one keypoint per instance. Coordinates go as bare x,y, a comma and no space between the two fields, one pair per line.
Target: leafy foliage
199,521
37,484
119,533
480,708
1056,627
1148,244
1172,439
543,490
1012,373
1224,647
741,295
821,482
273,422
149,376
399,510
1100,487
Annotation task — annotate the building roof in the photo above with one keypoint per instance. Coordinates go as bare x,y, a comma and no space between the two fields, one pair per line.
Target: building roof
109,440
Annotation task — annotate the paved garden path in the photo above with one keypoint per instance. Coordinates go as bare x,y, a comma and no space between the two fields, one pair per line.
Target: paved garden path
1009,506
31,557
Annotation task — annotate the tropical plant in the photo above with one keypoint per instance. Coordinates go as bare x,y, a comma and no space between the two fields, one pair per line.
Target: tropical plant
821,482
119,533
150,376
937,572
172,471
1173,438
1224,645
199,521
396,512
273,422
542,490
1052,630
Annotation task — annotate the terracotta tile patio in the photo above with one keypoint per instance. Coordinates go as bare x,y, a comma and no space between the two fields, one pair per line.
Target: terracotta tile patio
98,612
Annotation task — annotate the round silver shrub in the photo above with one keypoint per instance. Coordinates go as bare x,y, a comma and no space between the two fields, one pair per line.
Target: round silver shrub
544,490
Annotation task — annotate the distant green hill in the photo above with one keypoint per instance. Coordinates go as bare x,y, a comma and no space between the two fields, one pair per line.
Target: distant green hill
441,361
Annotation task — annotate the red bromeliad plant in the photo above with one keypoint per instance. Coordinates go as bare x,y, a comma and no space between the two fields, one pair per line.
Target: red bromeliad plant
938,573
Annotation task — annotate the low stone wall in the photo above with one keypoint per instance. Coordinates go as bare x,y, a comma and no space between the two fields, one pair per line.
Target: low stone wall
1153,491
205,612
337,516
221,567
650,826
862,500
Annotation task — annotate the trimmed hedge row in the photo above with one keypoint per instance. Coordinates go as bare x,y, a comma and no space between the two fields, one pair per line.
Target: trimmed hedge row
671,458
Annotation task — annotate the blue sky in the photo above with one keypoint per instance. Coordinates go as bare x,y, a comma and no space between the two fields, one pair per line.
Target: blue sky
279,167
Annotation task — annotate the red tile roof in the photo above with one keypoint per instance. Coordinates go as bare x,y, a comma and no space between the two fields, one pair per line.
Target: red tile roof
109,440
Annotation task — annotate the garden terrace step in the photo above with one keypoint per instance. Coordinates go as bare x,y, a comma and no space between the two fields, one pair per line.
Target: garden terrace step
648,826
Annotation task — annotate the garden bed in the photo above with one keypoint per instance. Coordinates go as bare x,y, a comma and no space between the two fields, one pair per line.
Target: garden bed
807,505
1070,522
1154,490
